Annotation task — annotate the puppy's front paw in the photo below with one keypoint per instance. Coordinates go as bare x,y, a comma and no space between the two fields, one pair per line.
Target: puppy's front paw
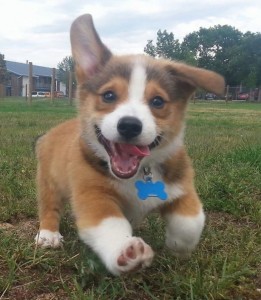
135,255
48,239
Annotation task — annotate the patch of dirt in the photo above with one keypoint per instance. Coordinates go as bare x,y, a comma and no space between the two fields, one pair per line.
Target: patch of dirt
6,226
47,296
242,293
23,293
25,229
221,220
20,293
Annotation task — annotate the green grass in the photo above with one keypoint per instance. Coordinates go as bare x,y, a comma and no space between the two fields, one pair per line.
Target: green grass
224,142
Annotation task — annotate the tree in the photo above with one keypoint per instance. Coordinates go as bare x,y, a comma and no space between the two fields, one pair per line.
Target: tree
4,76
223,49
150,49
213,48
168,47
63,69
246,60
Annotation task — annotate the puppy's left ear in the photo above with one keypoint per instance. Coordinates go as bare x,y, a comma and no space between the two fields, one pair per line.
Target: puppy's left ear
89,53
189,78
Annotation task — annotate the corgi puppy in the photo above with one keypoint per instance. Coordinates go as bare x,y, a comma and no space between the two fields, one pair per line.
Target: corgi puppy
124,155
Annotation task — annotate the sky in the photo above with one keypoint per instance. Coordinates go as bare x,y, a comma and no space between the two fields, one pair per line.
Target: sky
38,31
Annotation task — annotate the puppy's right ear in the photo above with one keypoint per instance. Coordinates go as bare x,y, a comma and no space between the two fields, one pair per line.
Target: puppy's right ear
89,53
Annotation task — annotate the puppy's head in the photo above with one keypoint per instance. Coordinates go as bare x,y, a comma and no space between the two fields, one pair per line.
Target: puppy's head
131,107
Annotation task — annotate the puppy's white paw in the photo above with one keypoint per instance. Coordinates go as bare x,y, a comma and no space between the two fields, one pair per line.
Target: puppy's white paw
48,239
135,255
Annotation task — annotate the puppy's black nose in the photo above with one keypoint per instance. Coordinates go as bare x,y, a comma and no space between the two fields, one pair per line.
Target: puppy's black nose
129,127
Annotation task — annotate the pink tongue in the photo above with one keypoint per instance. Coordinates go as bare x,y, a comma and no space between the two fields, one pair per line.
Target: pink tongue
134,150
125,158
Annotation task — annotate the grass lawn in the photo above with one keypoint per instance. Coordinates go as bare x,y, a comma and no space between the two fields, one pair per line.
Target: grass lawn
224,142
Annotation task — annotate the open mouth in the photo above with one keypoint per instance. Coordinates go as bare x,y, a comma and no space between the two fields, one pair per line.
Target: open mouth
125,158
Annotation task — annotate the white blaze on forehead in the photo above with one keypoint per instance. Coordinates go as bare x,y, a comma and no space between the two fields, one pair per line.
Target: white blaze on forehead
137,82
134,106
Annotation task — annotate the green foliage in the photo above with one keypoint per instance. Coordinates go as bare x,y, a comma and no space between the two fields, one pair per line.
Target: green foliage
150,49
168,47
64,68
246,60
212,47
223,49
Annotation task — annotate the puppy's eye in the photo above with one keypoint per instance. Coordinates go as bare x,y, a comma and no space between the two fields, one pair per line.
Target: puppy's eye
157,102
109,97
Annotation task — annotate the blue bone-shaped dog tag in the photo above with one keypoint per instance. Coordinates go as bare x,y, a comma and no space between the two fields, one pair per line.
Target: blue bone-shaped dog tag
151,189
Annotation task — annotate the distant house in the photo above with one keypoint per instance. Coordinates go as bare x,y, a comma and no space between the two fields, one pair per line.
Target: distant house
19,79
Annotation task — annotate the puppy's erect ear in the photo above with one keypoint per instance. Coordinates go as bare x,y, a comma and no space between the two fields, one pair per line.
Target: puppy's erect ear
193,77
89,53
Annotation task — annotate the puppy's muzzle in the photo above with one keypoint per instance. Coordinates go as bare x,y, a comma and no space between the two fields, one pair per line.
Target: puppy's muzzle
129,127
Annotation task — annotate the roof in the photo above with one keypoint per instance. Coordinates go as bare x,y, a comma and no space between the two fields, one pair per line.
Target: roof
22,69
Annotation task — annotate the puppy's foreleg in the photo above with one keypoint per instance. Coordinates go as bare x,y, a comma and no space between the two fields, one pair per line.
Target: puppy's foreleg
185,222
103,227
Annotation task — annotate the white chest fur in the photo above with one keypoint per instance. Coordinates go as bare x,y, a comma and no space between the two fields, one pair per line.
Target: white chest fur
136,209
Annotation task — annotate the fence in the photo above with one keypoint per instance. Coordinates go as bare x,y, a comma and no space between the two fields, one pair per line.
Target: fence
233,93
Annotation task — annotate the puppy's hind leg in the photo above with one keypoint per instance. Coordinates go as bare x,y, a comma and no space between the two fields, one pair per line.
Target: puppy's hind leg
49,207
